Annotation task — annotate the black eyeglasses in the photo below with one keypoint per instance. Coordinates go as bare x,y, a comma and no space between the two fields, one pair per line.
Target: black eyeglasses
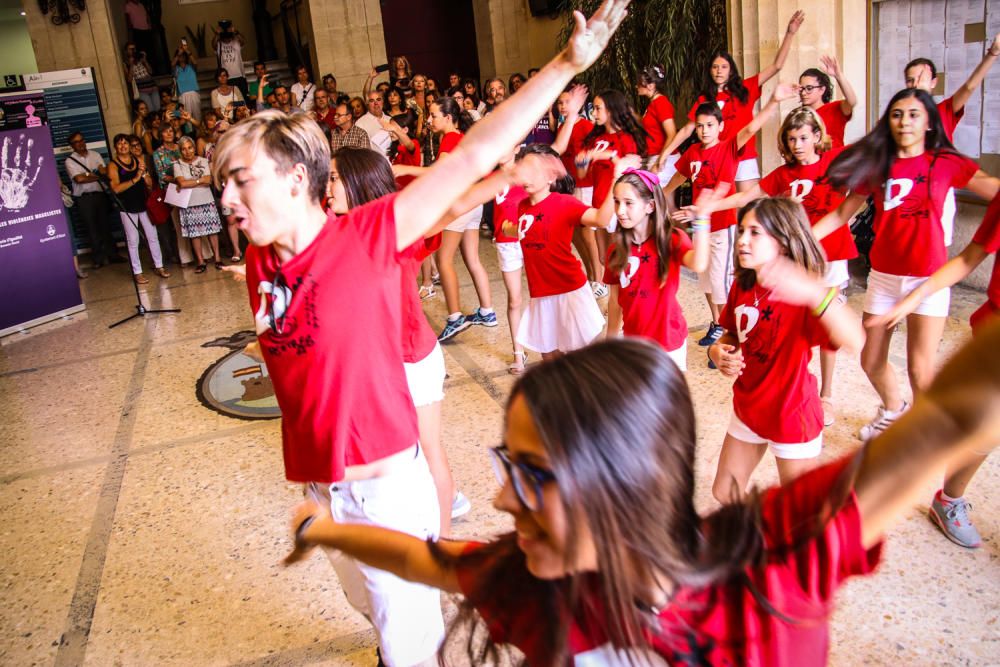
277,306
809,89
527,479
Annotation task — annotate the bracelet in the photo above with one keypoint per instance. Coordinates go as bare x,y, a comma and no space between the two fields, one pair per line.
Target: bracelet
819,310
700,225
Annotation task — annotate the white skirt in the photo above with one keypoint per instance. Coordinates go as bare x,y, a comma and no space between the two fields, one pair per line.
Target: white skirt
562,322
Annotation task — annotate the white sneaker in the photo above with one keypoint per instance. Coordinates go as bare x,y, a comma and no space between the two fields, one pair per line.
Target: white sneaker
600,289
460,506
882,421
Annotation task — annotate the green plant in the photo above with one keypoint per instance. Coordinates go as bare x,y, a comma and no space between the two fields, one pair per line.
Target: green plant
197,39
678,34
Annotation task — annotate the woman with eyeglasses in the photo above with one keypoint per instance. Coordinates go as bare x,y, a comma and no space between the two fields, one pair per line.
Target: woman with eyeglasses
608,559
816,92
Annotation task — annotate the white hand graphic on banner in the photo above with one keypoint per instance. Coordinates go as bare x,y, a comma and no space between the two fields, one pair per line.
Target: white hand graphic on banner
16,179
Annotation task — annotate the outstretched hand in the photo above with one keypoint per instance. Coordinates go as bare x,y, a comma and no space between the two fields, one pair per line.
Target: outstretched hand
303,515
790,283
795,22
577,98
830,65
590,37
786,91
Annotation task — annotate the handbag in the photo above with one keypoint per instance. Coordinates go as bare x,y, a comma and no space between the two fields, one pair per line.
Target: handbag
156,208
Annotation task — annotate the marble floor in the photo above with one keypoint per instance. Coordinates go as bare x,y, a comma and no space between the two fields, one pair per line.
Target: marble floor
141,528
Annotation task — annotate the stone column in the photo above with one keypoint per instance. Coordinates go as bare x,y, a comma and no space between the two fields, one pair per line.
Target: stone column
510,40
347,39
90,43
832,27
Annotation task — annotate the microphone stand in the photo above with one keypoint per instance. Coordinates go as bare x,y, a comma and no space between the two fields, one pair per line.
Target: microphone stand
140,309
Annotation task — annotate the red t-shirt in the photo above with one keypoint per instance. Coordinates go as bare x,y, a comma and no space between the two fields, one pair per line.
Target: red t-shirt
328,119
342,391
776,396
418,337
546,232
581,128
410,158
809,185
735,114
949,117
988,236
650,309
603,171
706,168
449,141
505,206
833,117
811,547
660,109
910,237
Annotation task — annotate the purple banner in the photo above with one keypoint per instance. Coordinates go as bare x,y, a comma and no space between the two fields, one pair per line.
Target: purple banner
37,278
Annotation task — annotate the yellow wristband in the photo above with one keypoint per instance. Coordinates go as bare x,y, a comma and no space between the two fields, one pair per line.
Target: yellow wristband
819,310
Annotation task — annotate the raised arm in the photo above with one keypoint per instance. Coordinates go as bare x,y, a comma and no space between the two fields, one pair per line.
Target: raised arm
955,419
367,88
577,98
975,79
768,72
839,216
832,67
790,283
782,92
406,556
424,201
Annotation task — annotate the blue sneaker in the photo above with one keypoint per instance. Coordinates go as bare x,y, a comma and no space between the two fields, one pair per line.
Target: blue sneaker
486,320
712,336
454,327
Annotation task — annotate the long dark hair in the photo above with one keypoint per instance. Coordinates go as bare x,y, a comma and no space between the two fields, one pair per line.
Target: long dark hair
662,232
565,183
624,117
617,422
867,162
823,79
734,85
459,116
408,121
366,175
785,220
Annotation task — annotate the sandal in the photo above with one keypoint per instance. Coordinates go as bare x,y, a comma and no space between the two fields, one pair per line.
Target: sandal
218,266
517,367
235,259
140,279
426,292
201,268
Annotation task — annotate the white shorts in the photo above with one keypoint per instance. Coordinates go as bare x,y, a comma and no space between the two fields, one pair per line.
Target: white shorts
510,255
669,169
680,356
586,195
466,221
406,616
782,450
426,378
718,278
562,322
948,211
836,274
886,290
747,170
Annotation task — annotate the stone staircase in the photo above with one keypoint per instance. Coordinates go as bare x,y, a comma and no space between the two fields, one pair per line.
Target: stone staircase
278,70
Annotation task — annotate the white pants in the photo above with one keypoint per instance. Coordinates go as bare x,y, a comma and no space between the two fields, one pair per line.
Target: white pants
407,617
129,221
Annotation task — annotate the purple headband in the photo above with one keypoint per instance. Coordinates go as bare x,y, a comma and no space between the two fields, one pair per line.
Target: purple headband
651,180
